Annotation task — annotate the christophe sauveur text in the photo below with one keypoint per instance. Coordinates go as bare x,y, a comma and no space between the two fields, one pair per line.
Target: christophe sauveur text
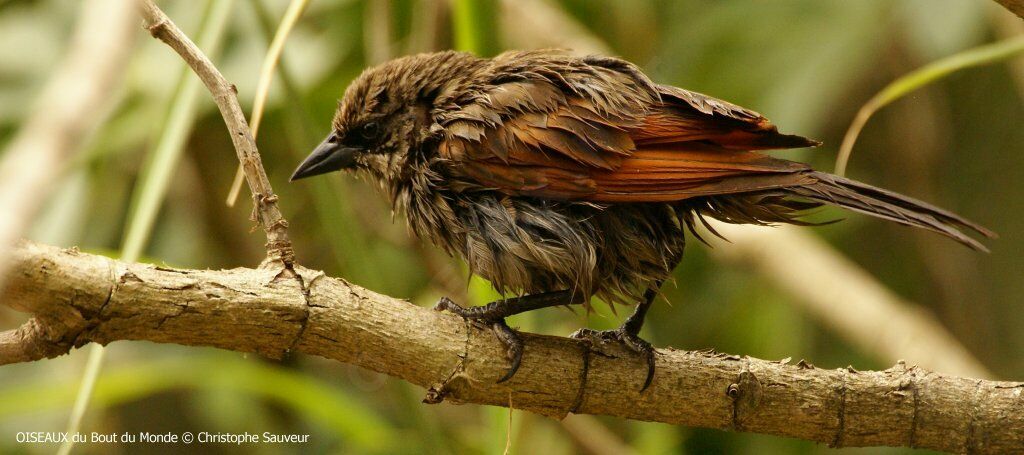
146,437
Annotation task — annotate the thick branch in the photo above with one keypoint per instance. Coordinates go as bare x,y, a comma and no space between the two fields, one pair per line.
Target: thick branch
279,247
80,298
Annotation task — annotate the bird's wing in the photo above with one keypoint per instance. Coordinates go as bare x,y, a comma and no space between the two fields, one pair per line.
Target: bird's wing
684,116
535,138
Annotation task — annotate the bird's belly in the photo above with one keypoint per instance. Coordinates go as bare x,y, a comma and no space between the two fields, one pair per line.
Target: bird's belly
526,246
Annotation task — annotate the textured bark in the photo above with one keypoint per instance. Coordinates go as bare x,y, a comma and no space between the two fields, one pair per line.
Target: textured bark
79,298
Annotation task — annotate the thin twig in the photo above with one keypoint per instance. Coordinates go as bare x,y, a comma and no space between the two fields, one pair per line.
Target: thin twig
78,300
265,210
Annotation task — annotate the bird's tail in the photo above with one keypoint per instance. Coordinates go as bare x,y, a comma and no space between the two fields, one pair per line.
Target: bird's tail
889,205
791,200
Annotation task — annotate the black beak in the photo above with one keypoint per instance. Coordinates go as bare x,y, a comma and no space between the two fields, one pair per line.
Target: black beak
329,156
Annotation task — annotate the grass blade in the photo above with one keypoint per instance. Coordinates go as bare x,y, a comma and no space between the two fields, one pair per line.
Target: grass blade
291,17
982,55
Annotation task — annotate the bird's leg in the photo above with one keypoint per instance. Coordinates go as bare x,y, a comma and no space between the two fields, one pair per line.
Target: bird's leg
629,333
493,315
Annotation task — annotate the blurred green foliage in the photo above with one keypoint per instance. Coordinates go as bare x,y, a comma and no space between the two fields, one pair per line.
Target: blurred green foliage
807,64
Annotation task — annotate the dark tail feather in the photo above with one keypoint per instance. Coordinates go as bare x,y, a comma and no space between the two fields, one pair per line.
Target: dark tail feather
891,206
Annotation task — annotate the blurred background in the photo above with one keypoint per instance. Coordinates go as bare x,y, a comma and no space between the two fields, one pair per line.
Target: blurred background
809,65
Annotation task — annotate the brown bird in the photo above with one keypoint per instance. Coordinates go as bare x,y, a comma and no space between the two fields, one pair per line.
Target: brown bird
559,178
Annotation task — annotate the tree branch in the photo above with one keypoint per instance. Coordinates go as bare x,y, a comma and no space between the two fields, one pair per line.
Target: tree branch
79,298
265,210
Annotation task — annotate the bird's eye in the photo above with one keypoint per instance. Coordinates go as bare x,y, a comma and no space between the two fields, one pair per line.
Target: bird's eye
369,130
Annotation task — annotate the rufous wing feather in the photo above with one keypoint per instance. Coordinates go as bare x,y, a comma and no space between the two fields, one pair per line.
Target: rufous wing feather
686,145
597,130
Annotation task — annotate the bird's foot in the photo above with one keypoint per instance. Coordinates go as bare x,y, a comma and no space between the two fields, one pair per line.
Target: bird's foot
628,339
484,316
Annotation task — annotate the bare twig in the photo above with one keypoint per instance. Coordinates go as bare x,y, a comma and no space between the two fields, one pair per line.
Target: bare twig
80,298
67,111
265,210
29,342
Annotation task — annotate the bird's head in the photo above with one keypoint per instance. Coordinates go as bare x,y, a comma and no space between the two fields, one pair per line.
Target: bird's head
385,116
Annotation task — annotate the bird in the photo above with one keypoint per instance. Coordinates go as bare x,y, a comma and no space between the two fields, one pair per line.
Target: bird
561,177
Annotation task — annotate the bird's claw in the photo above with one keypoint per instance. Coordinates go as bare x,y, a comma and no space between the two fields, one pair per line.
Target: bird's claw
630,340
505,335
513,347
446,304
